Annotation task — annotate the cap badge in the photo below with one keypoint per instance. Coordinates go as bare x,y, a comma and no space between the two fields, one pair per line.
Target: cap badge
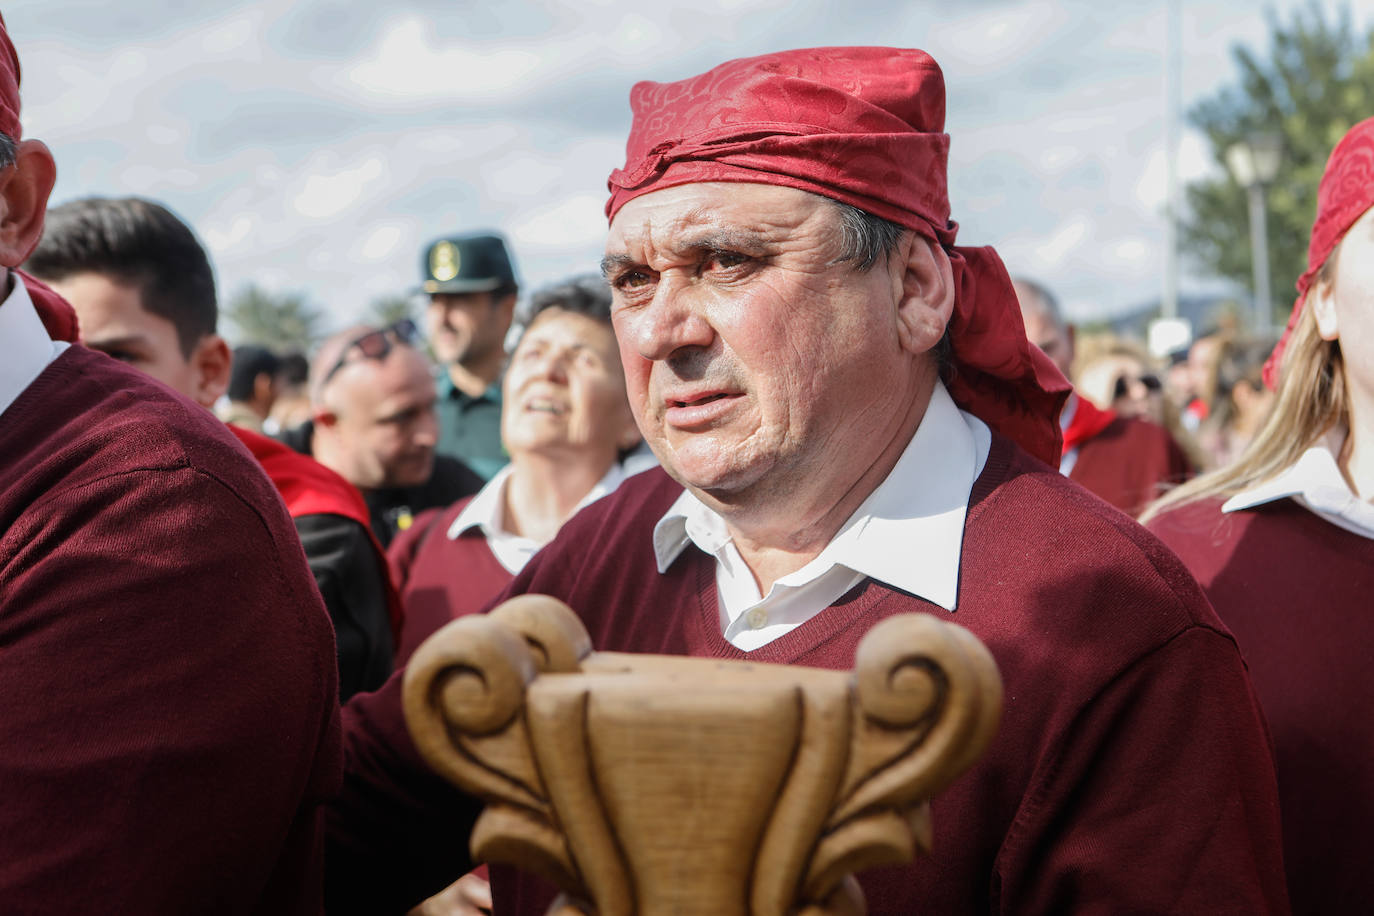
443,261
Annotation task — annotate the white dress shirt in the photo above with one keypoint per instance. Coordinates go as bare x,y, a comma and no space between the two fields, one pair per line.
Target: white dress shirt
25,348
1315,482
487,511
908,535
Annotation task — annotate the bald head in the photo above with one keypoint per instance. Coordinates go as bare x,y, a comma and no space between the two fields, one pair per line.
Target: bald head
1045,325
373,402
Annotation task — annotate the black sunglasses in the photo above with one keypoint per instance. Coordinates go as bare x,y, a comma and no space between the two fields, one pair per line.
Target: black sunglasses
376,344
1123,384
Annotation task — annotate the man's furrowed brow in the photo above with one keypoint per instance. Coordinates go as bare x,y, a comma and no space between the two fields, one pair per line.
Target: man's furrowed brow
613,262
745,241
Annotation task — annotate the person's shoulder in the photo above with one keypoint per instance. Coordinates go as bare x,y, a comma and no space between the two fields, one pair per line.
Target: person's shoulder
89,414
1064,532
454,478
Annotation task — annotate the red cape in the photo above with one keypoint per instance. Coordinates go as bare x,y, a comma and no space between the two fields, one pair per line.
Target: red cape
309,488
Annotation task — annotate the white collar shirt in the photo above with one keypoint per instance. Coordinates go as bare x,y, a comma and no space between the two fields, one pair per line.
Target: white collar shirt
1315,482
487,512
1070,457
25,348
916,512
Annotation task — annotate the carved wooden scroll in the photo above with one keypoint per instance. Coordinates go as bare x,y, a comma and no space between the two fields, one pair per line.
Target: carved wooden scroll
650,784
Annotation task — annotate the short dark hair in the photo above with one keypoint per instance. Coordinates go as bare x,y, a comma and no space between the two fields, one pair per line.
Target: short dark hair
584,294
139,243
866,238
250,361
9,150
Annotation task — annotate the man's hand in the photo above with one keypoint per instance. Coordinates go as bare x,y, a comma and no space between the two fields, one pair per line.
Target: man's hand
470,895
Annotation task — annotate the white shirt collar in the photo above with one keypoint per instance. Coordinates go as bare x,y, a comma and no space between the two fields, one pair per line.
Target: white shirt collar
487,511
25,348
1315,482
917,511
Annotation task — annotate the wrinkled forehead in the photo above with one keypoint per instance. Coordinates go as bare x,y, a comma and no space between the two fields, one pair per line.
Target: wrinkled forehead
692,215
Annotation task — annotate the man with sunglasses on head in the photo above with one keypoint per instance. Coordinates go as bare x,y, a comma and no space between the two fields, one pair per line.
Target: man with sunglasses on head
1127,461
144,292
374,423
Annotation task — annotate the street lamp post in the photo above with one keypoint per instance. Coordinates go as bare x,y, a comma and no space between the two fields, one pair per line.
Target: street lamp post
1254,163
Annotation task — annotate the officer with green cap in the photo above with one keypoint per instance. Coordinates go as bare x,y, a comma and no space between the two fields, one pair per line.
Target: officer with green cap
472,291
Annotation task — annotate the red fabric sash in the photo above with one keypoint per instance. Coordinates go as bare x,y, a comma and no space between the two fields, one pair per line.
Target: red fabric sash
309,488
1088,420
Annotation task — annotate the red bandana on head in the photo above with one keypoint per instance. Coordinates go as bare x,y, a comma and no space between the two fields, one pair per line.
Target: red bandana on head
1345,193
864,126
58,317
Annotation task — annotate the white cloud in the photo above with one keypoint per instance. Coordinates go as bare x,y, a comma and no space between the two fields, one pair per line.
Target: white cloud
574,222
328,194
380,243
1062,242
406,64
222,241
1194,162
1133,251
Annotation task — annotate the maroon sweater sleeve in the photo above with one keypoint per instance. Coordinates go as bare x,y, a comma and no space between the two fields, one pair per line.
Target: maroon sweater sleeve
169,730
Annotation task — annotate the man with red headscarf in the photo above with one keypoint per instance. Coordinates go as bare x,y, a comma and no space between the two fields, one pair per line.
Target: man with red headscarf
169,727
852,424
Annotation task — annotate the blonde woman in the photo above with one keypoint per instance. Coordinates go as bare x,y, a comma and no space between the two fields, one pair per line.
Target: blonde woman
1283,542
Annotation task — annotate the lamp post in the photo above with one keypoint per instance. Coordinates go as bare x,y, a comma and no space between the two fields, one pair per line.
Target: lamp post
1254,163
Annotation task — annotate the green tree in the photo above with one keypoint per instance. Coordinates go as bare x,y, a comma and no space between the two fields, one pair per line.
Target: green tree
281,321
387,310
1316,83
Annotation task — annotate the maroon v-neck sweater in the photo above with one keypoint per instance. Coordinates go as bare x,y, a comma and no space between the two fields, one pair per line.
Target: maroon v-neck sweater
441,578
1298,592
168,720
1131,772
1130,464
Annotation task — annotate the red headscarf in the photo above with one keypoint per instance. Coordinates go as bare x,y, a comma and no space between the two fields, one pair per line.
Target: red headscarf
1345,193
864,126
58,317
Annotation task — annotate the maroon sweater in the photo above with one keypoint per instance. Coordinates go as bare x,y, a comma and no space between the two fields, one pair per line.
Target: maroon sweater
1130,464
441,579
1131,772
168,728
1296,591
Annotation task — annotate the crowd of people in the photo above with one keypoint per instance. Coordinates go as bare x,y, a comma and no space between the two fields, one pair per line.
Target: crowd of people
788,406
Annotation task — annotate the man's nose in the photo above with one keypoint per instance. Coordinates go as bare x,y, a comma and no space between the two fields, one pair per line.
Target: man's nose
671,321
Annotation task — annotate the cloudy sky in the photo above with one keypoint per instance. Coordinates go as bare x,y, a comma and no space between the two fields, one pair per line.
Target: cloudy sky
317,145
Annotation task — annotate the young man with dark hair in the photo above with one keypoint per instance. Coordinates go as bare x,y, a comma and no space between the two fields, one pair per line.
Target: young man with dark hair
123,263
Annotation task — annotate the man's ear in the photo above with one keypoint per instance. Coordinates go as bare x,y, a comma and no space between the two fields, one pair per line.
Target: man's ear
926,296
211,361
1323,305
24,190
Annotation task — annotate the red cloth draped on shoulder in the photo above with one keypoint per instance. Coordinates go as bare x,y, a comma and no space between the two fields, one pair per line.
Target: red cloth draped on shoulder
309,488
864,126
1087,421
1345,193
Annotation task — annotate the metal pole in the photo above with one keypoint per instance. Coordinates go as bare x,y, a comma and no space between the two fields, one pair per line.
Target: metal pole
1259,257
1172,82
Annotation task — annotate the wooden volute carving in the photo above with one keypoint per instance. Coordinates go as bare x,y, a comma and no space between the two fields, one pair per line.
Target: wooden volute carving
651,784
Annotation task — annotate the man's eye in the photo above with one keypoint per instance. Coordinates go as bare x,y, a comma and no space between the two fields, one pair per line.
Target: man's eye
724,260
124,356
632,279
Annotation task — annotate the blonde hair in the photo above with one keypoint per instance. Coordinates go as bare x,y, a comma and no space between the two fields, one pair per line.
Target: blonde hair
1310,399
